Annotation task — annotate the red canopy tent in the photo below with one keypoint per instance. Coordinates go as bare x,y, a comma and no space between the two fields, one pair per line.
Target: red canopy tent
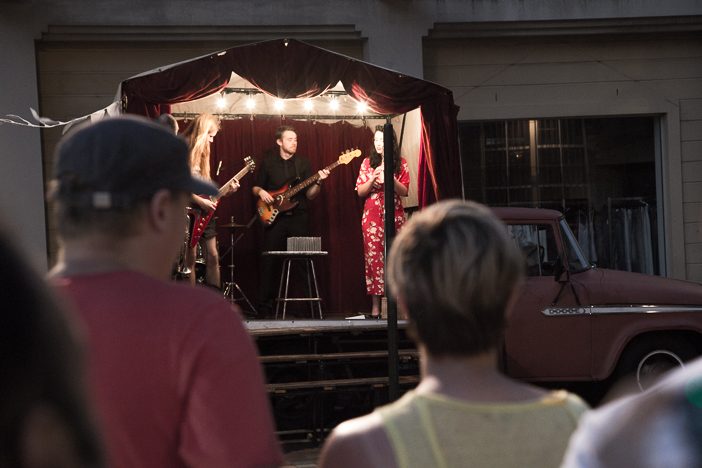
291,69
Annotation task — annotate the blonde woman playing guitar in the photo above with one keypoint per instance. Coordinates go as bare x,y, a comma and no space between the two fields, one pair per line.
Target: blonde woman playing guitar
199,135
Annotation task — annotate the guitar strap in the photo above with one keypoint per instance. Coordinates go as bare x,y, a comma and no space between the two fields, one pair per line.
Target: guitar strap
297,169
300,196
295,166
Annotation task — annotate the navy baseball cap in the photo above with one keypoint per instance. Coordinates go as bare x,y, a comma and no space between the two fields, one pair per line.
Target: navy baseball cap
120,160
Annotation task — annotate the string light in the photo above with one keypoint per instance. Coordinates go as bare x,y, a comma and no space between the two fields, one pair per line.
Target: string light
221,102
337,102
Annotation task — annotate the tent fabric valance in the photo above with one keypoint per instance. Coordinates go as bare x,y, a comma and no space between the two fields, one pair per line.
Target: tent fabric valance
288,68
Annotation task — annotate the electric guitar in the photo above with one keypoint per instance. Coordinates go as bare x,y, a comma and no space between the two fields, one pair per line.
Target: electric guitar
283,196
200,218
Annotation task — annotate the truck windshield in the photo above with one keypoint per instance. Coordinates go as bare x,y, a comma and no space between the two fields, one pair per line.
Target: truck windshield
576,258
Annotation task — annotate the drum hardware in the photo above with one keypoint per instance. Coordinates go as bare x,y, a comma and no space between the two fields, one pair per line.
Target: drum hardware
180,271
200,267
233,225
231,285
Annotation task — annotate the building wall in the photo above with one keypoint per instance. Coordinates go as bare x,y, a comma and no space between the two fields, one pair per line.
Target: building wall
579,76
691,155
392,33
21,179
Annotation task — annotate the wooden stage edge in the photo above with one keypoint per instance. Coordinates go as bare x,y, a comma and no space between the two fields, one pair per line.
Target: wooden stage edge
282,327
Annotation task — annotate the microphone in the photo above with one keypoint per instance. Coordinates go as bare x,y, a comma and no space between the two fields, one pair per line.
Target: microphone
219,166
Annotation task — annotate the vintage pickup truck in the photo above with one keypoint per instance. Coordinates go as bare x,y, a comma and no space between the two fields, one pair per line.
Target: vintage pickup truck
573,322
576,322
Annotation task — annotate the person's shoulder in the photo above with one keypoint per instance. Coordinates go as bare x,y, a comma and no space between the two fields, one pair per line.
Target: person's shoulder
680,379
361,425
355,442
572,402
675,383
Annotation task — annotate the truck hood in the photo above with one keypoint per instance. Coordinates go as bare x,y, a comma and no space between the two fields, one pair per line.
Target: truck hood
612,287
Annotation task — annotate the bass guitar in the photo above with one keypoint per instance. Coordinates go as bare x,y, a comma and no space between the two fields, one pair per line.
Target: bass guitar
282,198
200,219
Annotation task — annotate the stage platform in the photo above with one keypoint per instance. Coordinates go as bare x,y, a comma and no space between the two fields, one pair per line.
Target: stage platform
265,327
321,372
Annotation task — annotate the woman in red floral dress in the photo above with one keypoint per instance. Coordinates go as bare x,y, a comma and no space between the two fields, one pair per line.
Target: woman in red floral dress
369,185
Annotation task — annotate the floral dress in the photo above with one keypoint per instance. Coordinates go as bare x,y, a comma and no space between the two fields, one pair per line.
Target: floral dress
372,224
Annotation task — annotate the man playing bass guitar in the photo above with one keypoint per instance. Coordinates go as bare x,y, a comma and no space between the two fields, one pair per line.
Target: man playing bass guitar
274,172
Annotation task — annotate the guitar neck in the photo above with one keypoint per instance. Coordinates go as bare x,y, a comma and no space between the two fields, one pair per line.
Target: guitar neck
307,182
237,176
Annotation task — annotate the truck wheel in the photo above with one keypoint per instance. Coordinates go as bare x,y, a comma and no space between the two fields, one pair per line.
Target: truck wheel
648,359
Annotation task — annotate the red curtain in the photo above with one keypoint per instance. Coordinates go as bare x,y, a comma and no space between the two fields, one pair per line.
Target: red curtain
335,215
289,68
152,95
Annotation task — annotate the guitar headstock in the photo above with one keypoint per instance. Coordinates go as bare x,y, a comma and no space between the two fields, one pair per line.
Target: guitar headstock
346,157
250,163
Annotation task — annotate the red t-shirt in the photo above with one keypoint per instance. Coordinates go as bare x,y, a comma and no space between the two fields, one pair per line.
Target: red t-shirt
173,373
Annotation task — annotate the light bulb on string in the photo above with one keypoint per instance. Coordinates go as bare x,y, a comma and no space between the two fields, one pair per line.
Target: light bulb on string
250,103
221,102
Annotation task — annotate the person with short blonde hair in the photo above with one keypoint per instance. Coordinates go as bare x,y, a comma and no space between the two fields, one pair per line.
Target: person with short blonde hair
455,272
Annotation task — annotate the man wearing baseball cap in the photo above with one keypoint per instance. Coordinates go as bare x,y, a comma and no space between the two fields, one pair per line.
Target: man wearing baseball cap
174,376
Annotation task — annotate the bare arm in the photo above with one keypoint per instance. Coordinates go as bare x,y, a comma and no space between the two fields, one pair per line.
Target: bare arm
365,188
262,194
314,190
204,203
400,189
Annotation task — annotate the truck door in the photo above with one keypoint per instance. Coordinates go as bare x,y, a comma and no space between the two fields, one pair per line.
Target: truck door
547,336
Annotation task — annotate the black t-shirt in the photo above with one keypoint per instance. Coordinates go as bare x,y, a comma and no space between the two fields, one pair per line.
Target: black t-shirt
274,172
